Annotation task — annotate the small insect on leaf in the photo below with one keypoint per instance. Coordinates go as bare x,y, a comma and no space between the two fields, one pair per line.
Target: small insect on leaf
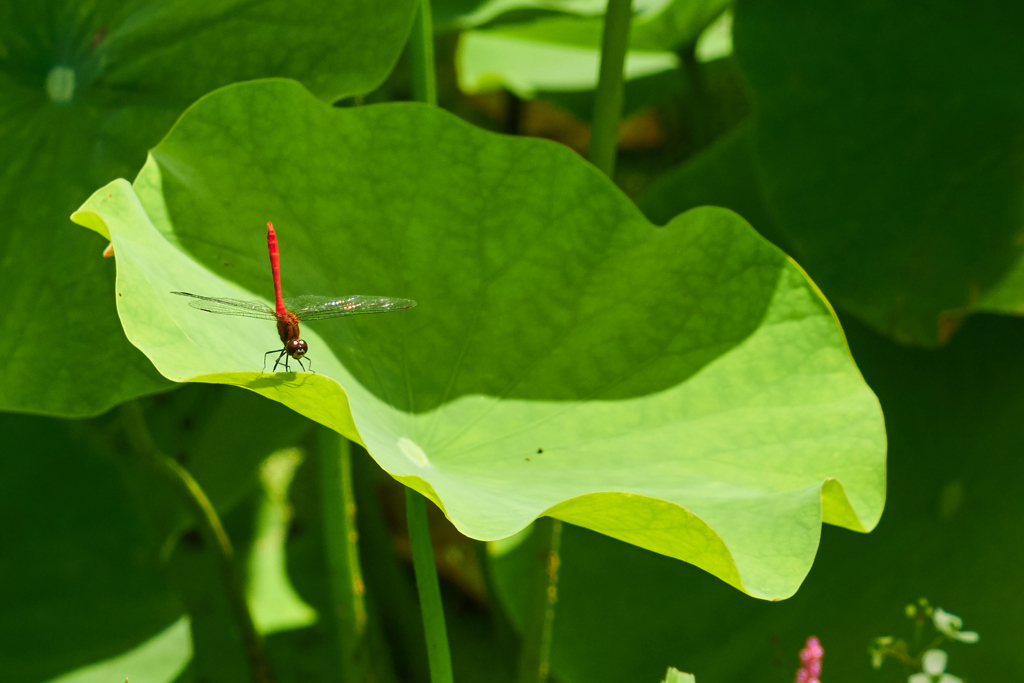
288,312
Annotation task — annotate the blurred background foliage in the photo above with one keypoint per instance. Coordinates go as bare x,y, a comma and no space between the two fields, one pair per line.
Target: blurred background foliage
880,145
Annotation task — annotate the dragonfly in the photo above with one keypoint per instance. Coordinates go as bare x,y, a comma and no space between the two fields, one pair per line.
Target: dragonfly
288,312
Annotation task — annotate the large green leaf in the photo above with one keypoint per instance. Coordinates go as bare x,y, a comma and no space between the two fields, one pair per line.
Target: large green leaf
674,675
890,143
463,14
562,53
161,659
685,388
953,511
80,564
77,566
493,60
84,91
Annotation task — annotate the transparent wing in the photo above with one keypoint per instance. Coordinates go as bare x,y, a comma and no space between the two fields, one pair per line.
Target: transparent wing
321,307
248,309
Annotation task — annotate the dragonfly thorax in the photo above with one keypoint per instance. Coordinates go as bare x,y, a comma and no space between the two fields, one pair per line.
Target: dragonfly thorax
287,327
288,330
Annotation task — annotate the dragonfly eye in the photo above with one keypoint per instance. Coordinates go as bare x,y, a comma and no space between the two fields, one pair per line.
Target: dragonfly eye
297,348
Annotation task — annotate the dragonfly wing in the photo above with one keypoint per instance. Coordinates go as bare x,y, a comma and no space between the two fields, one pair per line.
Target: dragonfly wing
322,307
248,309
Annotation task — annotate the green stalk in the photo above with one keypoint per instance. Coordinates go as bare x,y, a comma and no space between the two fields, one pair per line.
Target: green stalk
698,96
393,596
505,636
210,528
344,576
604,132
421,56
428,588
424,87
535,652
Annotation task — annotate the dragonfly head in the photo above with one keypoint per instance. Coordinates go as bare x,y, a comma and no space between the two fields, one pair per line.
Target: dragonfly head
296,348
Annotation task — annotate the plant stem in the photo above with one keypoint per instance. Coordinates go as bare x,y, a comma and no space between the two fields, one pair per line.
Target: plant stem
697,96
604,131
210,528
513,114
428,587
424,88
421,56
344,576
504,632
535,655
393,596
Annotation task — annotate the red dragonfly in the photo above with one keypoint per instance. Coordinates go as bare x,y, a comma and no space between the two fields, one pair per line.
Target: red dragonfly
288,312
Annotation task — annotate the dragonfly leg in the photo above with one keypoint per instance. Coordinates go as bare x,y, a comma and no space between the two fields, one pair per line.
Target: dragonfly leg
265,358
308,360
278,361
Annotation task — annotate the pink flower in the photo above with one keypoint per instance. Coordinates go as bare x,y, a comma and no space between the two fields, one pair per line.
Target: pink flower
810,660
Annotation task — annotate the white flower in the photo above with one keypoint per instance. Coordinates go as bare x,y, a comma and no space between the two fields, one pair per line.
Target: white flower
949,624
934,661
942,678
